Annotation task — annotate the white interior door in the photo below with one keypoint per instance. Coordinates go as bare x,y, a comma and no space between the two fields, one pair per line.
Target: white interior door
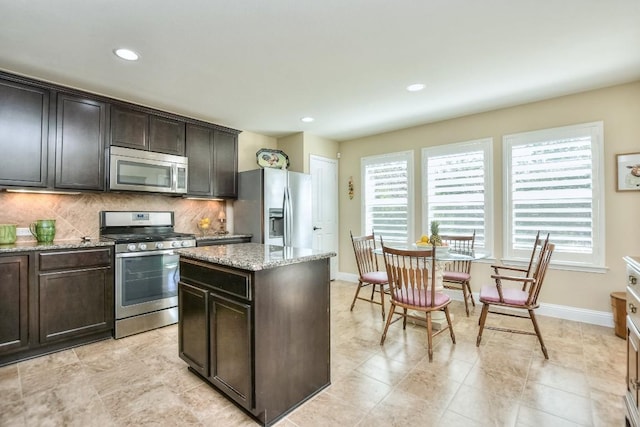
324,178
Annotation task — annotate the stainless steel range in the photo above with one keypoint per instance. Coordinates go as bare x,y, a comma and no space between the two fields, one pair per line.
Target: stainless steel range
147,268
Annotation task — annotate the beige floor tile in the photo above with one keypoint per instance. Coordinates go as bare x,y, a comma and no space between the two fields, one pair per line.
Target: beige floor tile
399,408
49,361
530,417
497,382
388,371
557,402
326,409
359,390
482,405
568,379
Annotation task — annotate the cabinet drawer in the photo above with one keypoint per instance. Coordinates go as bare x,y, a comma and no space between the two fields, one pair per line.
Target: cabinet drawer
74,259
232,282
633,295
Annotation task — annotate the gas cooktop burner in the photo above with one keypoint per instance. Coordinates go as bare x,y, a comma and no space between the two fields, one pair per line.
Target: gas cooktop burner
133,237
142,231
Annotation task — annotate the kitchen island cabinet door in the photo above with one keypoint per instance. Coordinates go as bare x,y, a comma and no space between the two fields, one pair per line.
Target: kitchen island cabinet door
231,354
80,143
24,124
14,321
193,322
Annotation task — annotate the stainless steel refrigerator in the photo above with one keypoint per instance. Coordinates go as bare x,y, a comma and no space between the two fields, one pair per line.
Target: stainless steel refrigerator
274,205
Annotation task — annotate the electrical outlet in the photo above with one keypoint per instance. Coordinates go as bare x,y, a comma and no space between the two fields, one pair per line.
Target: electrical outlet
24,231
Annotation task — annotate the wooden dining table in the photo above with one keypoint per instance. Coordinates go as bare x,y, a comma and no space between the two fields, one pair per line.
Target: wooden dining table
442,258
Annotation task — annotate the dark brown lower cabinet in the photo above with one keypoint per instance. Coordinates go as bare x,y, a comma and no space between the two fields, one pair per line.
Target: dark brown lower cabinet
14,303
53,300
261,338
230,341
193,314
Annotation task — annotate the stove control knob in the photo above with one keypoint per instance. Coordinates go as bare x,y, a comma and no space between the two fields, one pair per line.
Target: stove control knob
159,245
131,247
185,243
175,244
142,246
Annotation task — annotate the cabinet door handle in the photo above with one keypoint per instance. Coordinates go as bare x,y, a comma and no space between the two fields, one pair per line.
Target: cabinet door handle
634,384
633,280
632,308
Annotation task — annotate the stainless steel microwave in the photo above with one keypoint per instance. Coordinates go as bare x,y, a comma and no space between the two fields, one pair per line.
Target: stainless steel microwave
138,170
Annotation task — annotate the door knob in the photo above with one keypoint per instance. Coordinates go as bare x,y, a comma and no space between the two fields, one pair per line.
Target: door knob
316,228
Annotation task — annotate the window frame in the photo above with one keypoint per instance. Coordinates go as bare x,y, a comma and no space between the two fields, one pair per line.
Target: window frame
482,144
594,262
386,158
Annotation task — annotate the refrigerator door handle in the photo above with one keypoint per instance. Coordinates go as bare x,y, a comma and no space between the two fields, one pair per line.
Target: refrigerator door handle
288,212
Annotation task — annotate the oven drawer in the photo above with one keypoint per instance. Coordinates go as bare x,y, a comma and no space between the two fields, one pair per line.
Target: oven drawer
232,282
72,259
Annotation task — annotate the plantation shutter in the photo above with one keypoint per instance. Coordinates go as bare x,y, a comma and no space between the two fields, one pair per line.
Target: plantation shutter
456,193
551,184
387,199
554,184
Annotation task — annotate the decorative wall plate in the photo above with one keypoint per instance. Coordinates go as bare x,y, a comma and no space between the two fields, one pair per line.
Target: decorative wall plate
268,158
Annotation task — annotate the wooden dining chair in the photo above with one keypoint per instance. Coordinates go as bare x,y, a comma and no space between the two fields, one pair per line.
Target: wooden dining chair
457,274
368,272
538,243
523,297
412,279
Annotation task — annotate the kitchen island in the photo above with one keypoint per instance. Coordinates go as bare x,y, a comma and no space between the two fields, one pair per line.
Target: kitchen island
254,323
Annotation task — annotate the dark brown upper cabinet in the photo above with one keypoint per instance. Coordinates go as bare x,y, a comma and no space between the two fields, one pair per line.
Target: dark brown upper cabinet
24,124
213,162
143,131
81,138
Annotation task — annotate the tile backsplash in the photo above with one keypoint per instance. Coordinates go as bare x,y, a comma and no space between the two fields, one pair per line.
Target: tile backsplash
78,215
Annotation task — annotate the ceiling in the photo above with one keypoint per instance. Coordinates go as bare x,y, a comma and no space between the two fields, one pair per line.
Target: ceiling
261,65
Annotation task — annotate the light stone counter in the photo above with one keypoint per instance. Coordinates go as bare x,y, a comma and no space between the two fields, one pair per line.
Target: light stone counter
56,244
253,256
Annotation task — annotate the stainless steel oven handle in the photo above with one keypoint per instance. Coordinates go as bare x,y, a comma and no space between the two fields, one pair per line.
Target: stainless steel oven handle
145,253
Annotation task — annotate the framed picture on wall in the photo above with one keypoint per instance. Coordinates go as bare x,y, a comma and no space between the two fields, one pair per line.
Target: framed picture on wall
628,167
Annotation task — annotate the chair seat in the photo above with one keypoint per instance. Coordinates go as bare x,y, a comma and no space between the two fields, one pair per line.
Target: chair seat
456,276
421,298
510,295
375,277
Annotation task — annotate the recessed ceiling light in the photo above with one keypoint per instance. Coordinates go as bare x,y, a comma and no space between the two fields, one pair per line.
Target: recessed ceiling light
307,119
415,87
127,54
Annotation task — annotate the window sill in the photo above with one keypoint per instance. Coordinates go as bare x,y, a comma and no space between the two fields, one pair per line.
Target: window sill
559,265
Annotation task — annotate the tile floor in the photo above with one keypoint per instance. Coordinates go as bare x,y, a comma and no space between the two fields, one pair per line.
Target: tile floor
140,380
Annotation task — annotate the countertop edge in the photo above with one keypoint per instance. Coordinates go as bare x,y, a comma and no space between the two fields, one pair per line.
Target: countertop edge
60,244
228,256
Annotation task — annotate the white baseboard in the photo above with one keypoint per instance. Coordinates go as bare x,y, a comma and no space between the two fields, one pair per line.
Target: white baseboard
600,318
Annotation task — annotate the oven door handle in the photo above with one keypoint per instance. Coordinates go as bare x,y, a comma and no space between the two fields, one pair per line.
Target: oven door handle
145,253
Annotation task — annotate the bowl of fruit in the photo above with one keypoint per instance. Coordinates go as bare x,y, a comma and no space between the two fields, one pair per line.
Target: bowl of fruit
423,242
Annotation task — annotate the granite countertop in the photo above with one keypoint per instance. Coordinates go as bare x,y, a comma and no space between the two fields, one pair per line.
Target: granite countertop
253,256
29,246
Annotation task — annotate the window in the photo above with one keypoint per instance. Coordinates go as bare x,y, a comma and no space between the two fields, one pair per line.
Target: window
554,183
457,185
388,192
